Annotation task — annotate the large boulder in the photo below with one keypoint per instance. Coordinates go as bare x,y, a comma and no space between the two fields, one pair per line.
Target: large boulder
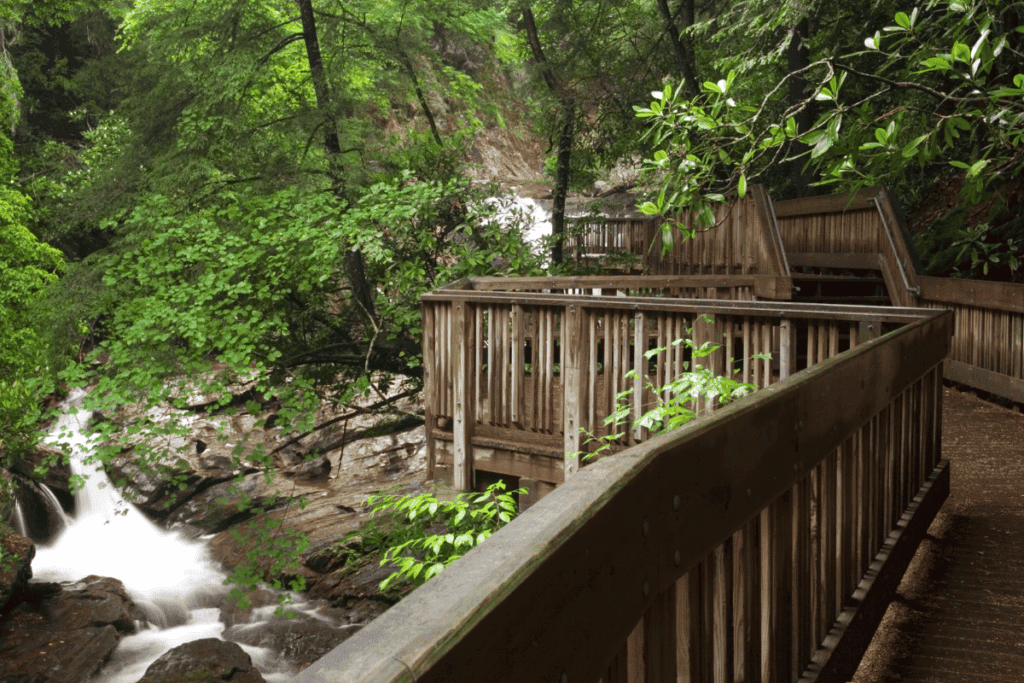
209,660
64,633
15,568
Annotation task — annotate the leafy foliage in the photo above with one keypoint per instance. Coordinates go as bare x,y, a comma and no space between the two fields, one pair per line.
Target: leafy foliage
677,399
937,88
429,534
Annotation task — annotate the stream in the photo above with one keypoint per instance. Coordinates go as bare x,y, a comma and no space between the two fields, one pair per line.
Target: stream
172,579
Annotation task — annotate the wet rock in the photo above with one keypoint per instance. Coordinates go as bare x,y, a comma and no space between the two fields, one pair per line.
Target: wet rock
216,508
58,472
158,491
317,468
236,611
209,660
14,578
301,640
65,633
42,511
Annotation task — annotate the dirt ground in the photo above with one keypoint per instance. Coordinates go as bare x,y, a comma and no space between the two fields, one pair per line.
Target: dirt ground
959,612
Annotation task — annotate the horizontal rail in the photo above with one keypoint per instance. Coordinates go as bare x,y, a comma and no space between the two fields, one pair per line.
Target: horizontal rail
987,350
754,308
998,295
697,552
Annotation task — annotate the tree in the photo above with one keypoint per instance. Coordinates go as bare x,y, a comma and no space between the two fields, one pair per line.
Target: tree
27,267
939,88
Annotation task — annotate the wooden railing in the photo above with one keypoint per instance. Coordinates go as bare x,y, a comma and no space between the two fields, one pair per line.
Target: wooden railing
744,240
761,542
526,373
988,335
595,238
728,287
838,229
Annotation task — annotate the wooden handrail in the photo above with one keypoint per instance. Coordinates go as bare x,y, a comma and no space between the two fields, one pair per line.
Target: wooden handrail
555,595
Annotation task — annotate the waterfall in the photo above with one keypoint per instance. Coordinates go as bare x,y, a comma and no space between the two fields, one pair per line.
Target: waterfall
173,580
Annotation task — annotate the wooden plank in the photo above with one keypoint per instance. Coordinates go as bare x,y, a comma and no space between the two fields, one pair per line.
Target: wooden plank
621,282
518,366
585,547
429,383
998,295
503,461
773,287
840,654
536,489
775,309
659,625
986,380
465,402
572,386
837,203
858,261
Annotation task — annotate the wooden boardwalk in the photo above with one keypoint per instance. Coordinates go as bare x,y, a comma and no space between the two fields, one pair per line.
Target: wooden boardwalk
959,613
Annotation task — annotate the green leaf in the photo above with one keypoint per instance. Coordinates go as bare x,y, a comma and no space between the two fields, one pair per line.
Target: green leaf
903,20
741,188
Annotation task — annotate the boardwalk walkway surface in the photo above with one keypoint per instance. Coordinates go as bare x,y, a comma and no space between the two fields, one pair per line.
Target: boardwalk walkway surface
959,612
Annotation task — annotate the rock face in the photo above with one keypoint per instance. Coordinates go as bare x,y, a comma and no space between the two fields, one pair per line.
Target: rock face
64,633
209,660
14,578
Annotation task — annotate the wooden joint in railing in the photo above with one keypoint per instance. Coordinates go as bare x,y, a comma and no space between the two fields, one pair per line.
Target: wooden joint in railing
774,287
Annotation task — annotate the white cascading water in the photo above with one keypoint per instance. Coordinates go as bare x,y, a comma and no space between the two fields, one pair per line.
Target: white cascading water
172,579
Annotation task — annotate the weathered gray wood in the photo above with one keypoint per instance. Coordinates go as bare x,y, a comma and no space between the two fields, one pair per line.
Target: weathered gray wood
759,308
860,261
986,380
998,295
843,648
572,386
805,206
591,545
465,402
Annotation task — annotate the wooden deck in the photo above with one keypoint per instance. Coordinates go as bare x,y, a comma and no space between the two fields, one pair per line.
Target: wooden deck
959,614
764,541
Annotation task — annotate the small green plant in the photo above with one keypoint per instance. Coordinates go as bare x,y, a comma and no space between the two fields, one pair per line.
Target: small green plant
467,522
693,385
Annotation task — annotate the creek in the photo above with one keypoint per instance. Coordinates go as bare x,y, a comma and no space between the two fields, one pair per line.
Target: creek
172,579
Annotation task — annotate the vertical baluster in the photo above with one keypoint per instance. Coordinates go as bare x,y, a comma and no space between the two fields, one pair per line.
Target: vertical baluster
722,611
518,366
659,624
430,385
465,403
829,491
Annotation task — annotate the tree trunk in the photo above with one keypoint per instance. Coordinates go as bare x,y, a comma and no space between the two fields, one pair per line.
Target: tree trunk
562,168
355,264
798,57
565,138
682,47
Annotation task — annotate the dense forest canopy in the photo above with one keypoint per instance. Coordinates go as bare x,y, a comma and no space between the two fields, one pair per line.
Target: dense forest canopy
271,184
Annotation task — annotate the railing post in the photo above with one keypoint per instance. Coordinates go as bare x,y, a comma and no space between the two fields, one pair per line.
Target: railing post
572,385
787,348
463,344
